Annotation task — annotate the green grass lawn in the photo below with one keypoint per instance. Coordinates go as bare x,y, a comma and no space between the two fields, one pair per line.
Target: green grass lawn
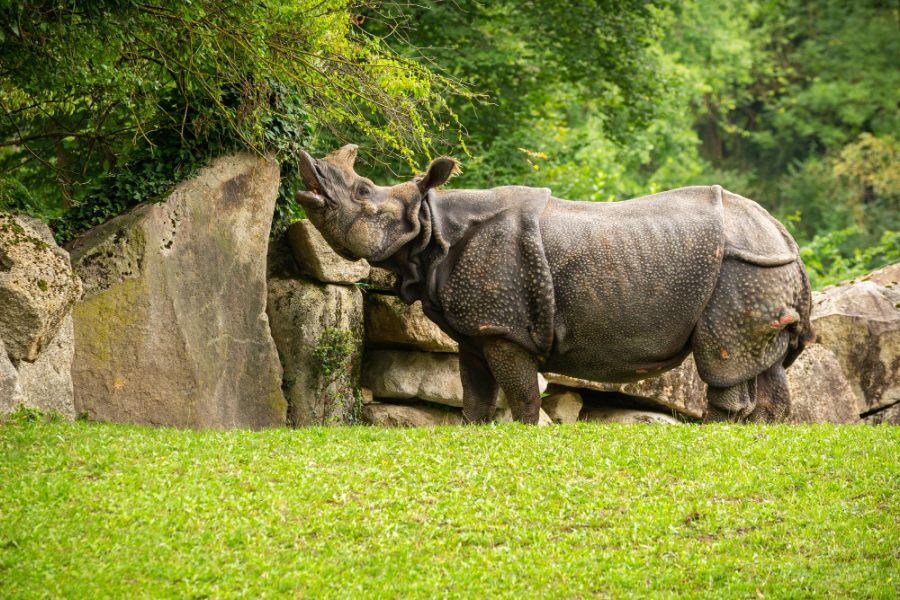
93,510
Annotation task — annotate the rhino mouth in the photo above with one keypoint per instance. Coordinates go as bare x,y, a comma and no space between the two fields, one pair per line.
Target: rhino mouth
311,174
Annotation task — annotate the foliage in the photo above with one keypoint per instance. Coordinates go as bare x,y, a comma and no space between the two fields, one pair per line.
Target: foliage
333,350
869,168
471,512
526,58
148,175
144,92
15,197
356,408
823,73
29,414
837,256
753,96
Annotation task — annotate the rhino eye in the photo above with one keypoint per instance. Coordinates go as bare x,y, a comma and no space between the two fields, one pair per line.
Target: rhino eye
364,191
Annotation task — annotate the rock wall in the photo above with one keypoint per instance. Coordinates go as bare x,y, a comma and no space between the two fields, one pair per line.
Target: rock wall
859,322
393,323
400,370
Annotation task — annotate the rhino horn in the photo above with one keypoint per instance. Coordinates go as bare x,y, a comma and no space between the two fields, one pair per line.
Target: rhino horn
344,156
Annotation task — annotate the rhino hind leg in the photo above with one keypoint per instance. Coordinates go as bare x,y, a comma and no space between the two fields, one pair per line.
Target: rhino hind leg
733,403
763,399
773,399
515,370
743,337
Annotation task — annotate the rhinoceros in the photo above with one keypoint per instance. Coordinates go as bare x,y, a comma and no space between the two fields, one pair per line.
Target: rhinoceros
612,292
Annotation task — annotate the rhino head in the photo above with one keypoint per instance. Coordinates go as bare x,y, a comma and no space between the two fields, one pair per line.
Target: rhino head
358,218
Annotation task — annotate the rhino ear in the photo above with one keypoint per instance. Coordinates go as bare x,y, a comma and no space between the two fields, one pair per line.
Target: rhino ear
345,155
439,171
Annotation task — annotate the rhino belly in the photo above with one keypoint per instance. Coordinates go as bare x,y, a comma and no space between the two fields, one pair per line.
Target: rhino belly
630,280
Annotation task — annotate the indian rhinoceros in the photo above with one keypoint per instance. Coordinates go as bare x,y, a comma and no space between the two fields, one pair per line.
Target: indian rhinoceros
613,292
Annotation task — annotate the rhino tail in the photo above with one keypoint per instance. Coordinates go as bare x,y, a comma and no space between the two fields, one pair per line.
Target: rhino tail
800,329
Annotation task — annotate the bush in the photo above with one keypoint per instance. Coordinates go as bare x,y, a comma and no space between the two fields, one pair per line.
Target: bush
837,256
105,104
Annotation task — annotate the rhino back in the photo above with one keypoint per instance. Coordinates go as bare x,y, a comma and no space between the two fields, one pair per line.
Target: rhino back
630,279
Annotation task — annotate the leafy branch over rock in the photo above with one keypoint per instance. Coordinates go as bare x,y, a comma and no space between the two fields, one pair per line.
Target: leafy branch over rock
89,90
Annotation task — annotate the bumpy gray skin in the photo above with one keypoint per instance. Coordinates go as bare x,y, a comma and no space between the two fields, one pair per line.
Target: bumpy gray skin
610,292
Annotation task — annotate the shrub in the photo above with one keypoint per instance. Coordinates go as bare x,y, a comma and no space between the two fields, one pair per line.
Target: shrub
836,256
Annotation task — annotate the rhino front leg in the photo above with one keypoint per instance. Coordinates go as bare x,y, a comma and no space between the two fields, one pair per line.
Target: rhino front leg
479,388
516,372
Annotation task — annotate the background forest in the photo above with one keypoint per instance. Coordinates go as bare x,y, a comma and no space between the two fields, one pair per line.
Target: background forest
792,103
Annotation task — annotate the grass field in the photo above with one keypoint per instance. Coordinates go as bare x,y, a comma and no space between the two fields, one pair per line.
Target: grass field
92,510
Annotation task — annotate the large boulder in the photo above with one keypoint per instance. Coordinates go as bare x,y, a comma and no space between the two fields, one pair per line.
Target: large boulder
37,290
680,389
366,395
431,376
410,415
318,329
46,383
403,375
888,276
173,327
392,322
860,323
37,286
316,258
819,391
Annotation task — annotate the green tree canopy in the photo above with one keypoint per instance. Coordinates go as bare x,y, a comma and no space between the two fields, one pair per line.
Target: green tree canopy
527,58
